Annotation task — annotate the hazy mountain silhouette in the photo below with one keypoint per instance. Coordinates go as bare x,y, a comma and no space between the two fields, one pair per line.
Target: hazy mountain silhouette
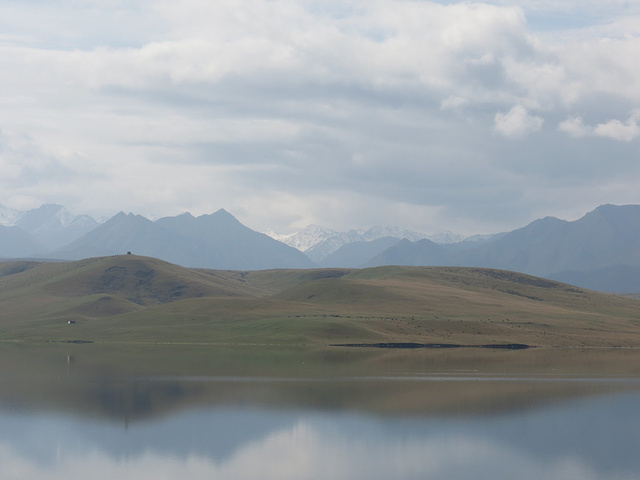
601,250
405,252
607,236
221,241
209,241
616,278
54,226
606,240
123,233
357,254
17,242
324,242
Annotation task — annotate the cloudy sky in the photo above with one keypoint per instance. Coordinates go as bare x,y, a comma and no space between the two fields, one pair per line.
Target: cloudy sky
435,116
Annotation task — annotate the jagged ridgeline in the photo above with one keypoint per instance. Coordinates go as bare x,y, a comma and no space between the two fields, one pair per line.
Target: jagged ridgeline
129,298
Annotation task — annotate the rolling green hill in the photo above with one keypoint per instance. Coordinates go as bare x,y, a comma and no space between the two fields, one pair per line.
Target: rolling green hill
128,298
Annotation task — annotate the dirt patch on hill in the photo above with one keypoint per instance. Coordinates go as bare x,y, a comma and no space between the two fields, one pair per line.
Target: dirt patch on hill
15,267
142,285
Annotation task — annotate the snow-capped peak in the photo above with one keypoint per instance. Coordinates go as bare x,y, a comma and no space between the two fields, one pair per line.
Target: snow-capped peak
330,240
8,216
305,239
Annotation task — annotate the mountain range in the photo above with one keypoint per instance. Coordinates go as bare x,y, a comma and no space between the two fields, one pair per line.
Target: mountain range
600,251
318,242
209,241
40,230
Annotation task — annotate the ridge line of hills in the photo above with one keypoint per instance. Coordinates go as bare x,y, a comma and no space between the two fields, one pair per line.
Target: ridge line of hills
130,298
600,251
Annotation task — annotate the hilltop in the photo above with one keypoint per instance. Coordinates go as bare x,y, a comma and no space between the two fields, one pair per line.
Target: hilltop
129,298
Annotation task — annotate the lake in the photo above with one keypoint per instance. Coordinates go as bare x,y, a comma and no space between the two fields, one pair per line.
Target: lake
256,412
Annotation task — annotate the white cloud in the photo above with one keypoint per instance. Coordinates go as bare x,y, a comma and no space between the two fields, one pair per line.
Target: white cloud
383,44
575,127
517,122
613,129
621,131
290,92
312,451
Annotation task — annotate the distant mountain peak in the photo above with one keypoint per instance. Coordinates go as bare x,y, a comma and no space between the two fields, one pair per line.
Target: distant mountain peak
224,216
121,216
319,242
222,211
216,240
305,239
52,225
609,209
8,216
51,207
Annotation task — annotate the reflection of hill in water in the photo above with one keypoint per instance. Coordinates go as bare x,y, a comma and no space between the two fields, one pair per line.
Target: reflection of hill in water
134,383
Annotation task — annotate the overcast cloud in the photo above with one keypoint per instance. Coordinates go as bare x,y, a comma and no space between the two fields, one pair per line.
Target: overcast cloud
470,117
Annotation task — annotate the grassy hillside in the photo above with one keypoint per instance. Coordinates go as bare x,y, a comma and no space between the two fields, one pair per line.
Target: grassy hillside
130,298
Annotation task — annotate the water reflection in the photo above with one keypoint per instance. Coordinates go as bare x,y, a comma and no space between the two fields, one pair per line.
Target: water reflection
402,421
582,439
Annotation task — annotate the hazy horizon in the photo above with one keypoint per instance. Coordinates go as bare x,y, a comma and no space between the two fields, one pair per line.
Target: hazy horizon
8,221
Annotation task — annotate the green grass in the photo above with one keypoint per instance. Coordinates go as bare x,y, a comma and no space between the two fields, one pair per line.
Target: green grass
138,299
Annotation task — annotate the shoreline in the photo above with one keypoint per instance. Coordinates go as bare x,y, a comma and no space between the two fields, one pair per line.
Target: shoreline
410,345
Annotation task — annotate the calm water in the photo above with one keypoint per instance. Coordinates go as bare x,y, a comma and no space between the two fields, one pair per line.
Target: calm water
78,413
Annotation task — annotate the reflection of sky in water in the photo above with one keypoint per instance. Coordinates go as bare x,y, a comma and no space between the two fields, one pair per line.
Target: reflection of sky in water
597,438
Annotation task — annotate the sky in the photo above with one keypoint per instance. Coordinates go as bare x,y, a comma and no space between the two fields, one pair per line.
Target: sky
434,116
